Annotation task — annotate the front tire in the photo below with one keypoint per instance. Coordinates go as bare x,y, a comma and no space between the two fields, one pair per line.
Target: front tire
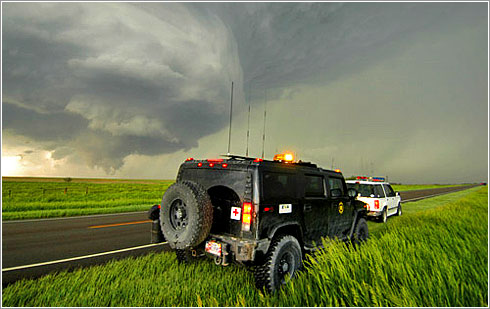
281,263
361,232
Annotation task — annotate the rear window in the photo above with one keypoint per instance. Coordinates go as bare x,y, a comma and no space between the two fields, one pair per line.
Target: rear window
278,185
363,189
367,190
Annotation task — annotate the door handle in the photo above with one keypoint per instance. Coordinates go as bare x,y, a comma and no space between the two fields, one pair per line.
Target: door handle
307,207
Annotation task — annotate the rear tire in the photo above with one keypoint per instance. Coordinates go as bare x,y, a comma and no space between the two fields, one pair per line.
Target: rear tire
183,256
186,215
283,260
384,216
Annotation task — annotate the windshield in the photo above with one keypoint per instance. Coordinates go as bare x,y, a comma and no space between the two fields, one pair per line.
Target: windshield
363,189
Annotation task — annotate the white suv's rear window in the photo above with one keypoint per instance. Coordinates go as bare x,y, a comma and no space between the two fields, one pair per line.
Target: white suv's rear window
367,190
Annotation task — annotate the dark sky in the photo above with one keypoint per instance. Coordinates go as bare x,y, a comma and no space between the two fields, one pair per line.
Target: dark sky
131,90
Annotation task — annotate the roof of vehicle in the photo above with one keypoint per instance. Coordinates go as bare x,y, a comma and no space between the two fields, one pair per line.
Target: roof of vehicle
367,182
237,160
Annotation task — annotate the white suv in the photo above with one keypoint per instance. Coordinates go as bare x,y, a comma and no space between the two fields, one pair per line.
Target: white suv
382,201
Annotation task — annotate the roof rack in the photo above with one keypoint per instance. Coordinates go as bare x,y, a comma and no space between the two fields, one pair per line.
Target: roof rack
303,163
232,156
239,157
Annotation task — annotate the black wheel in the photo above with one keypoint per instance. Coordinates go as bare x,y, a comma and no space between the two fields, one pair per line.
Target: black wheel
384,216
186,215
283,259
399,210
361,232
183,256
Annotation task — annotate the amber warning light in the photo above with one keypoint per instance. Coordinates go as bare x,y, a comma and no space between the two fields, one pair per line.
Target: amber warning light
284,157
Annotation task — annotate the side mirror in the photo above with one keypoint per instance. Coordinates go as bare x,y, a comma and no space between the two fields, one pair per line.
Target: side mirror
352,193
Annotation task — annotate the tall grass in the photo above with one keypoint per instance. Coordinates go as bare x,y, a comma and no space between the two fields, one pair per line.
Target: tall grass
434,257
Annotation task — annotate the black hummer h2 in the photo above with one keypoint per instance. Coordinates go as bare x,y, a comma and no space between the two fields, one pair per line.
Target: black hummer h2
259,213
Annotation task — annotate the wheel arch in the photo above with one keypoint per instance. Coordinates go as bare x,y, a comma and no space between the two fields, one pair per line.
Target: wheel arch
288,228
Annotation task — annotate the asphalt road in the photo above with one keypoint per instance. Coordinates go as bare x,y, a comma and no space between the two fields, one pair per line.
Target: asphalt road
32,248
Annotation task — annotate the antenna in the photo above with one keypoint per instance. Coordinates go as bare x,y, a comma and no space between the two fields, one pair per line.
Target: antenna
231,112
265,114
248,125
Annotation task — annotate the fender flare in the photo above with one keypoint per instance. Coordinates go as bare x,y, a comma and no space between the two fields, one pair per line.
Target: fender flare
294,224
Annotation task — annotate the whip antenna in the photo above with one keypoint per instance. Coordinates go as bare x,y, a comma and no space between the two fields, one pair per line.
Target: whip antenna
265,114
248,124
231,112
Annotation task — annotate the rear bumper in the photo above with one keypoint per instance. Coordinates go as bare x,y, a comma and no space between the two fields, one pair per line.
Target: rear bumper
374,213
242,250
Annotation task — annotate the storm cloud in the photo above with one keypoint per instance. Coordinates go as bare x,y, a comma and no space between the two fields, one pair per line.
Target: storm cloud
138,82
106,81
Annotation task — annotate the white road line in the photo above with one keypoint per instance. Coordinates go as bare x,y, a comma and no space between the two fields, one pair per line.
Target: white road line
74,217
82,257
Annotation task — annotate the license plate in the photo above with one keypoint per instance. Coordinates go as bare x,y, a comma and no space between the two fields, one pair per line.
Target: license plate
213,247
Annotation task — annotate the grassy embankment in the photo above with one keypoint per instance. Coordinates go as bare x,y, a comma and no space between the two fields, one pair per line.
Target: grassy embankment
31,198
433,255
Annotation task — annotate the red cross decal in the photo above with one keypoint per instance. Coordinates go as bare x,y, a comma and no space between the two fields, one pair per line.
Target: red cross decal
235,212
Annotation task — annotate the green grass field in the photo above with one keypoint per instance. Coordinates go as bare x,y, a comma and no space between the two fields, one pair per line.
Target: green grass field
43,198
433,255
32,198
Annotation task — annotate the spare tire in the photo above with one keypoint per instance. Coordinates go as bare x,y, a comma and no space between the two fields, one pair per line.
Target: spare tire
186,215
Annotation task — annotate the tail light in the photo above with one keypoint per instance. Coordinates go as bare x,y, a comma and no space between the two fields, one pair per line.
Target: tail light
246,216
376,204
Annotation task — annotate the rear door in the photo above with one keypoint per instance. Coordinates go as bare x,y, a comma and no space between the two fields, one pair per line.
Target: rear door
279,201
315,208
228,189
390,197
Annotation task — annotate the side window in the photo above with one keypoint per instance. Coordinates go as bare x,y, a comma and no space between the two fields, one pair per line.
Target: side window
278,185
314,186
389,190
378,191
336,187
